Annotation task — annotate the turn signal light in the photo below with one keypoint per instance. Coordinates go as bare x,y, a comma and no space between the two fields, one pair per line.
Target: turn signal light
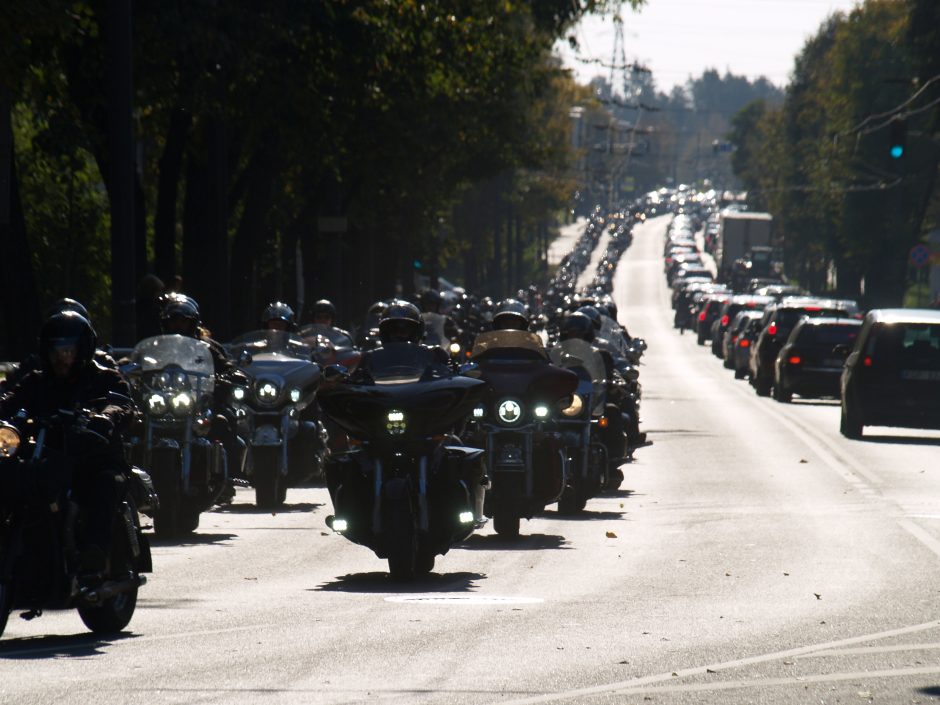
745,343
603,422
867,361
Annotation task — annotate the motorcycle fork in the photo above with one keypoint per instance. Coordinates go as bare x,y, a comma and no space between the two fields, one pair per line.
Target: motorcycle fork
187,456
285,429
378,483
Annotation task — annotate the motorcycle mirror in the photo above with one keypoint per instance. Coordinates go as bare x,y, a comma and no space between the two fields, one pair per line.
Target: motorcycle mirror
335,373
244,358
130,368
469,367
640,344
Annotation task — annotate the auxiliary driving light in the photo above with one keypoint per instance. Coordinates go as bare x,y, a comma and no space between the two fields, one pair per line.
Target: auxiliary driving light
295,395
340,525
479,412
465,518
541,411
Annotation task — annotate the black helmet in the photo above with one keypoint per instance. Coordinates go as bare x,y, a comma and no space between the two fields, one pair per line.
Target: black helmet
577,325
279,311
324,307
611,307
68,304
592,313
176,306
511,315
401,323
68,328
431,300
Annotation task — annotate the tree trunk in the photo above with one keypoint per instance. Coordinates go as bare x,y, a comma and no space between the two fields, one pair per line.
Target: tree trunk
171,170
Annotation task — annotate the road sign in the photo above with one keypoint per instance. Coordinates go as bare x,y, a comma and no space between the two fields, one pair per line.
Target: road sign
919,255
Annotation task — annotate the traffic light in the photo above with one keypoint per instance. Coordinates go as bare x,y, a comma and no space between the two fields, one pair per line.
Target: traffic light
898,135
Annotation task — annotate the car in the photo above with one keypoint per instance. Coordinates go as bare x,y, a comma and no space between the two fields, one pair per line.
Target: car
728,312
707,314
749,327
892,373
809,364
778,321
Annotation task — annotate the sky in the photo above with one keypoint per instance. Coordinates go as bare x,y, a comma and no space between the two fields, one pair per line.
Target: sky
679,39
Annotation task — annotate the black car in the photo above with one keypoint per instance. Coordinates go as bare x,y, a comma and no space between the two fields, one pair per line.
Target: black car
809,364
778,321
892,375
736,303
742,334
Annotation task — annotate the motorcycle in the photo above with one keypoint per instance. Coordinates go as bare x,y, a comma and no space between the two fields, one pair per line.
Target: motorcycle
517,425
330,345
41,527
173,378
586,423
287,447
408,490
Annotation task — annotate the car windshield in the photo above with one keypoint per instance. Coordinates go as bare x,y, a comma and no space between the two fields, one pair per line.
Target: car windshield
271,341
828,335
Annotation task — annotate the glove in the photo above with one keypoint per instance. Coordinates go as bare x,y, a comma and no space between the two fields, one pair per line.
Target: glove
100,424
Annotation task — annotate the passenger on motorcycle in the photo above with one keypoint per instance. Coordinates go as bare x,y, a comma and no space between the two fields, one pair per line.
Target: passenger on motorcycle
70,380
439,329
324,314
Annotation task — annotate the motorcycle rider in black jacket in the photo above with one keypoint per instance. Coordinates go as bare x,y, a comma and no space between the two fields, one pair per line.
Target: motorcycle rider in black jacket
70,380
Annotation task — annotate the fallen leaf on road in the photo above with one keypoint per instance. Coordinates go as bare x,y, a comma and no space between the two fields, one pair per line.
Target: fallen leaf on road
727,575
611,535
818,596
803,460
788,663
676,675
623,662
250,578
708,670
324,533
621,504
786,574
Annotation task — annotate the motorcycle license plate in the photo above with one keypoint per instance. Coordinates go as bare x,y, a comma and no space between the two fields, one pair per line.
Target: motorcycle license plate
510,455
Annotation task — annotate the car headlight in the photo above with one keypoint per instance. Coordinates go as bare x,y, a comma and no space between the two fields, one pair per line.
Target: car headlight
267,391
9,441
239,393
576,406
156,404
396,422
182,404
295,395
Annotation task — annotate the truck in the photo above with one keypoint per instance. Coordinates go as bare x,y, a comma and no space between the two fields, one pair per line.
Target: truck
738,232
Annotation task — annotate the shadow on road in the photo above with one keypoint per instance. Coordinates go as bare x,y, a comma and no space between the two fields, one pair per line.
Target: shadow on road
254,509
191,540
902,440
933,691
524,542
57,646
381,583
587,515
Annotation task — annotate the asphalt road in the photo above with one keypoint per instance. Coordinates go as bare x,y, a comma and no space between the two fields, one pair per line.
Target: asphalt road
754,556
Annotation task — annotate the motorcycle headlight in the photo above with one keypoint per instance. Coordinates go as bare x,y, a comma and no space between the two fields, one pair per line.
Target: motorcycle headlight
9,441
239,393
576,406
396,422
479,412
182,404
156,404
295,395
267,392
455,348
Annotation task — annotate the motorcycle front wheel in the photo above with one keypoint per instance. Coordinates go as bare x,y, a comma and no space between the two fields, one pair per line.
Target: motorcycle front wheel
506,524
6,604
270,485
173,518
115,613
402,540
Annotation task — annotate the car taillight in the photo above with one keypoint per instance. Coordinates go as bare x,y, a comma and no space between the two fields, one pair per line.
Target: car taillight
745,343
701,316
795,360
724,321
867,361
772,329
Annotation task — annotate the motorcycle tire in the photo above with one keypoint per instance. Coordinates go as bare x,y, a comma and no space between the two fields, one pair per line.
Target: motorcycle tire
270,485
614,479
571,502
114,613
169,521
424,562
402,540
506,524
6,605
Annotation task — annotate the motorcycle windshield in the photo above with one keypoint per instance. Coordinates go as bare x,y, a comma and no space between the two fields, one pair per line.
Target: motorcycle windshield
187,356
271,341
336,337
580,353
612,333
401,363
508,343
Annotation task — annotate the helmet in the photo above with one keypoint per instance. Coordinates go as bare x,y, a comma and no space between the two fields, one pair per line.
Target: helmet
67,328
431,300
401,323
592,313
608,303
577,325
324,307
177,307
511,315
68,304
279,311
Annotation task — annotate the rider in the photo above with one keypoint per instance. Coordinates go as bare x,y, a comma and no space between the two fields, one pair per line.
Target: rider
180,315
324,314
511,315
438,328
278,316
401,323
70,380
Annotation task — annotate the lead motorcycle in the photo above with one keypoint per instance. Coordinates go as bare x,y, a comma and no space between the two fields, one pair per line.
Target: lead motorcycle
287,447
517,424
41,529
173,378
409,490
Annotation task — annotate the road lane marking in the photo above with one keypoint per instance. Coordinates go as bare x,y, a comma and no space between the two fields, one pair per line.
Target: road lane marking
921,535
636,683
875,650
460,599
